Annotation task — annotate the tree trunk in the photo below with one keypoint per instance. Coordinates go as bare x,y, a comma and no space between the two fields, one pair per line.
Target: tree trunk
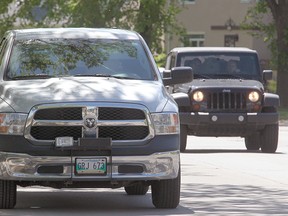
279,11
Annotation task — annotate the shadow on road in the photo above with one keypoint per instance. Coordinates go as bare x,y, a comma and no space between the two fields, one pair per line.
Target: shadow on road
84,202
206,151
247,200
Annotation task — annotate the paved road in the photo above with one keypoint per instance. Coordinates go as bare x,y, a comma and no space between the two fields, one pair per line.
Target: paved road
219,177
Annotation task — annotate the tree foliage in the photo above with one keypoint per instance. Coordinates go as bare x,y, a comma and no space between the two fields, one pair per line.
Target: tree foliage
150,18
276,33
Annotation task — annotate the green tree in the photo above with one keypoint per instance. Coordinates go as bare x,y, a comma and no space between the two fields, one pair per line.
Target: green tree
150,18
276,33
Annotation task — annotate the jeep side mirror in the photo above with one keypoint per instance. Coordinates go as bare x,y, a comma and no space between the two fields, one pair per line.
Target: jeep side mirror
177,75
267,74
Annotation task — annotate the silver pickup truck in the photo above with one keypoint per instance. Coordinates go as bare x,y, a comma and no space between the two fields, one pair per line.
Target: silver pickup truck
87,108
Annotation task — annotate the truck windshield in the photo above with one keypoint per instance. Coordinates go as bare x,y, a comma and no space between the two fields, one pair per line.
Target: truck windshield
221,65
46,58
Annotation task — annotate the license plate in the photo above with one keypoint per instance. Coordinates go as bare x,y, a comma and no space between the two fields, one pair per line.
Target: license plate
91,166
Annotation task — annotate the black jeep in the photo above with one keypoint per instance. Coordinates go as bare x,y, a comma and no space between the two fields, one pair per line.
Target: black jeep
227,96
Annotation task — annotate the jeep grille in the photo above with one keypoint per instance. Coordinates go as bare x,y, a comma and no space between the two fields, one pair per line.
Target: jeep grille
226,100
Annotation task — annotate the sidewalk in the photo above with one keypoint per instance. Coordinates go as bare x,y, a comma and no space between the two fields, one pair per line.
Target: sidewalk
283,122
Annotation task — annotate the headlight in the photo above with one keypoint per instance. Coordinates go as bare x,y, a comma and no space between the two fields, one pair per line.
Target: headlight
166,123
198,96
253,96
12,123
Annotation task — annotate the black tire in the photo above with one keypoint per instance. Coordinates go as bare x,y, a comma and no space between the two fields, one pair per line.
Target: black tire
166,193
269,138
252,142
137,189
8,194
183,138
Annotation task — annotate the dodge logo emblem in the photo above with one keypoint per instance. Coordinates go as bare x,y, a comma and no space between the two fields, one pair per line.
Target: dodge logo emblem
90,122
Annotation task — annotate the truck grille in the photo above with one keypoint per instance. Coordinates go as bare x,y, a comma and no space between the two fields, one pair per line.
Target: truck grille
118,123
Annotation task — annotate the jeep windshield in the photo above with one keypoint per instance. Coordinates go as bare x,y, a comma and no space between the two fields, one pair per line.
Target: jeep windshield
58,57
225,65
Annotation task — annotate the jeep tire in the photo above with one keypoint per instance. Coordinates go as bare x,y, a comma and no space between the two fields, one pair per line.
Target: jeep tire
8,194
166,193
183,138
269,138
252,142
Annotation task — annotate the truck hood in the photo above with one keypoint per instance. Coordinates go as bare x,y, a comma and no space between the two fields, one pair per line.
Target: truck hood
22,95
223,83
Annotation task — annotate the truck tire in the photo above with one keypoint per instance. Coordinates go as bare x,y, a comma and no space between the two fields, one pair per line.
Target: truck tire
183,138
252,142
166,193
136,189
269,138
8,194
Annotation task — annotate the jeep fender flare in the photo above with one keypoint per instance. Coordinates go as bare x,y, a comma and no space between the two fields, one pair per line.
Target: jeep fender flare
182,99
271,100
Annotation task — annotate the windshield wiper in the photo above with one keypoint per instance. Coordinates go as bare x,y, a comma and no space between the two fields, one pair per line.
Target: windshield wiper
197,76
104,75
230,76
32,76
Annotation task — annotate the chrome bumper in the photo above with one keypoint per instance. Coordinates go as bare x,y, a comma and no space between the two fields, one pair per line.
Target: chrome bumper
164,165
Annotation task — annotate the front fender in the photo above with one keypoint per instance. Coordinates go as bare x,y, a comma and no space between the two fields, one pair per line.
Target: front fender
182,99
271,100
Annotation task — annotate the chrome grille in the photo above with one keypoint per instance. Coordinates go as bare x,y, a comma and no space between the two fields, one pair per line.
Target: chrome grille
119,123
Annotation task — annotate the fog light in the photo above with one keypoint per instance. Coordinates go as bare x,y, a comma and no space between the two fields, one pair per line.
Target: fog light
241,118
214,118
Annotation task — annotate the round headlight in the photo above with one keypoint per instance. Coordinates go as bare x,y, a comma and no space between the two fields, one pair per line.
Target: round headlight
198,96
253,96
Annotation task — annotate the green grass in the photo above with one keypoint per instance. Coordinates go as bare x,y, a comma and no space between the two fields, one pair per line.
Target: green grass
283,113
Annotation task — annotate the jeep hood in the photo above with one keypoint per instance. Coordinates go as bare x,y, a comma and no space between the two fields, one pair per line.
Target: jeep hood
22,95
224,83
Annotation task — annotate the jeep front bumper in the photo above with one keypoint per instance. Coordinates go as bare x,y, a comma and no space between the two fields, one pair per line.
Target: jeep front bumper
227,124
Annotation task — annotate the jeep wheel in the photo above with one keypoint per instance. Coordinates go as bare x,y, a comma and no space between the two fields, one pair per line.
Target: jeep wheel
166,193
269,138
8,192
252,142
183,138
136,189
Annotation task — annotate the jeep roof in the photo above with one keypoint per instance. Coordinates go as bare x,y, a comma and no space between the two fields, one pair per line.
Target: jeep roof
212,49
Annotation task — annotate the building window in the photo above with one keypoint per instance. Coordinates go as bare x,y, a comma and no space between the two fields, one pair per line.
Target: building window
194,40
230,40
188,1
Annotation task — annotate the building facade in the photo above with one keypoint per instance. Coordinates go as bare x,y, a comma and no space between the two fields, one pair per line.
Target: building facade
217,23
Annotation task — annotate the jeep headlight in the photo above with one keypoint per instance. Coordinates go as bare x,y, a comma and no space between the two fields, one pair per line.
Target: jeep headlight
253,96
166,123
12,123
198,96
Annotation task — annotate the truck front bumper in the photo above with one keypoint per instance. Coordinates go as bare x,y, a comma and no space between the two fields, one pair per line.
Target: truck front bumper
227,124
24,167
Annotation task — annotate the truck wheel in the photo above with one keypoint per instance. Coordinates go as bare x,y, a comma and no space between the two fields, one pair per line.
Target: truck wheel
183,138
137,189
166,193
253,142
269,138
8,192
